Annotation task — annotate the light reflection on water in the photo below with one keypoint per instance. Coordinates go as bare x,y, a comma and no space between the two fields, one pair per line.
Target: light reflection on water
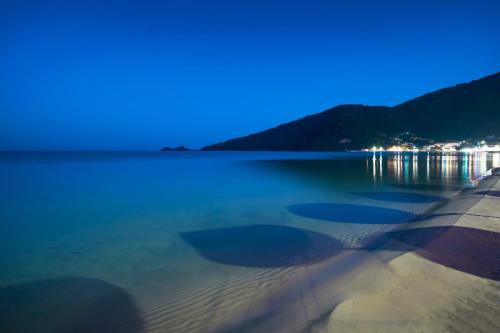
445,167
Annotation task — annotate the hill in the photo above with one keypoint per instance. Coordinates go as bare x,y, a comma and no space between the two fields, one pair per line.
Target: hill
463,111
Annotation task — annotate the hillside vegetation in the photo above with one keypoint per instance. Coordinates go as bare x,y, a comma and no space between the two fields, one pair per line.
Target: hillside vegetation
463,111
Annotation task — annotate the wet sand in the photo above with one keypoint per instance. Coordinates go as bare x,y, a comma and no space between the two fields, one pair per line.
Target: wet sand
438,273
447,281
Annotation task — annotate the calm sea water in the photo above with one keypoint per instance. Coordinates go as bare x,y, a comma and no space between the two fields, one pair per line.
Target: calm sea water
136,242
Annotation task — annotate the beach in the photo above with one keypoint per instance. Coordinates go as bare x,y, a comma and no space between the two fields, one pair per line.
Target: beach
439,273
248,242
450,283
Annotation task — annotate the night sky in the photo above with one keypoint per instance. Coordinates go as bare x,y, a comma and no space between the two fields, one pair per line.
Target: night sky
133,75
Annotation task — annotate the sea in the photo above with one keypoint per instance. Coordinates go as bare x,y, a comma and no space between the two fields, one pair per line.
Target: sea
197,241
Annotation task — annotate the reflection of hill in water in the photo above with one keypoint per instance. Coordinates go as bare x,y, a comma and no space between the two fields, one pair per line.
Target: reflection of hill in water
412,171
318,172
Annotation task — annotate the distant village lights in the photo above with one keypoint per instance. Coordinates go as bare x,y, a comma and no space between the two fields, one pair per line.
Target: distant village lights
410,142
440,147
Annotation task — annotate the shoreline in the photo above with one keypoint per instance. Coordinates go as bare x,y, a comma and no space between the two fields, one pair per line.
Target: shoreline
447,282
402,275
424,276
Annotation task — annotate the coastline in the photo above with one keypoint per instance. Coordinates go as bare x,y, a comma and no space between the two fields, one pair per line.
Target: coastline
438,273
448,283
394,276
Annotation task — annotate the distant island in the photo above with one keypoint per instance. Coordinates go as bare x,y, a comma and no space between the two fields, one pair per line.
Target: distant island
178,148
464,113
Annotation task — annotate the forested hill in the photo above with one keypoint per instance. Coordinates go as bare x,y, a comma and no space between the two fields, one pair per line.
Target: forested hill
466,110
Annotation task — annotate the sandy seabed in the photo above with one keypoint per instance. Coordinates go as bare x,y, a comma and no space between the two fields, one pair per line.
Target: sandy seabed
439,273
451,283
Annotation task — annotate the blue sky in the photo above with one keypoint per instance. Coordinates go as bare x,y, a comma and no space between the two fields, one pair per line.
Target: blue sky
143,74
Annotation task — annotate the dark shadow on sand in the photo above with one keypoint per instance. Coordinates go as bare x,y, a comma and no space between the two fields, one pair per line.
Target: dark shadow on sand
469,250
491,193
69,305
265,246
348,213
399,197
430,217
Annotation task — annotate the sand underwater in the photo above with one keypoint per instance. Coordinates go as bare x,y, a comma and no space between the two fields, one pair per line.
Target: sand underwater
273,243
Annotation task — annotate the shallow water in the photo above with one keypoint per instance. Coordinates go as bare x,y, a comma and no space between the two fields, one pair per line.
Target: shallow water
188,241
